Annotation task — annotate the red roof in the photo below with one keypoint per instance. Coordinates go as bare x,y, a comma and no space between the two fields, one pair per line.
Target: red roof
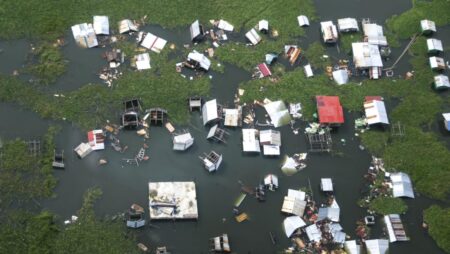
264,69
329,109
373,98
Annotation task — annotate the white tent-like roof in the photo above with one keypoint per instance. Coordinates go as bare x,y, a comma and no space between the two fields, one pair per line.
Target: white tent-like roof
291,224
142,61
209,111
434,45
374,34
377,246
263,25
303,20
401,185
84,35
152,42
340,76
279,114
253,36
101,25
348,25
375,112
250,142
201,59
366,55
352,247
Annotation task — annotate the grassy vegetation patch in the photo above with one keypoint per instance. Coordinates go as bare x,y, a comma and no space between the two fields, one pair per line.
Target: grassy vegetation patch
408,23
438,220
50,63
388,205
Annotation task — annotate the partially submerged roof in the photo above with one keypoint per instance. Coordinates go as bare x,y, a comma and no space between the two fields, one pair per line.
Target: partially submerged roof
250,142
253,36
401,185
352,247
374,34
303,20
209,111
263,25
172,200
348,25
428,25
126,26
203,62
396,231
142,61
278,113
313,233
291,224
326,184
151,41
329,110
270,137
434,45
84,35
101,25
441,81
366,55
375,112
340,76
329,31
377,246
224,25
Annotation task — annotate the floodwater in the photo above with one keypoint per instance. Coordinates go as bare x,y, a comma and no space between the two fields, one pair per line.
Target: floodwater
124,184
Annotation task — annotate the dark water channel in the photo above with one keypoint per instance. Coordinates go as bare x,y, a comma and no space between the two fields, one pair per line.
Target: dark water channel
123,184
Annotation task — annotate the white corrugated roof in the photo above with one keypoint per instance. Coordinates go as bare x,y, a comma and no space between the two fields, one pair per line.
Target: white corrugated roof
209,111
195,29
375,112
437,62
401,185
279,114
84,35
348,24
142,61
428,25
303,20
263,25
326,184
377,246
224,25
271,137
126,26
434,44
250,142
374,34
366,55
340,76
291,224
352,248
441,81
101,25
253,36
313,233
152,42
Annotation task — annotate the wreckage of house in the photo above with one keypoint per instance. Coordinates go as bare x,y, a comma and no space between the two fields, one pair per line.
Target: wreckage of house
84,35
101,25
197,32
197,60
278,113
151,41
375,112
211,161
182,141
127,26
329,32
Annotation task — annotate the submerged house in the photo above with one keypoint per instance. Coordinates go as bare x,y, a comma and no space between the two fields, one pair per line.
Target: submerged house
220,244
278,113
151,41
427,26
441,82
434,46
271,141
197,60
446,117
126,26
263,26
172,200
182,141
329,110
401,185
329,32
197,32
210,112
373,34
395,229
212,161
375,112
377,246
437,63
253,36
96,139
367,57
303,21
84,35
291,224
101,25
347,25
142,61
250,142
